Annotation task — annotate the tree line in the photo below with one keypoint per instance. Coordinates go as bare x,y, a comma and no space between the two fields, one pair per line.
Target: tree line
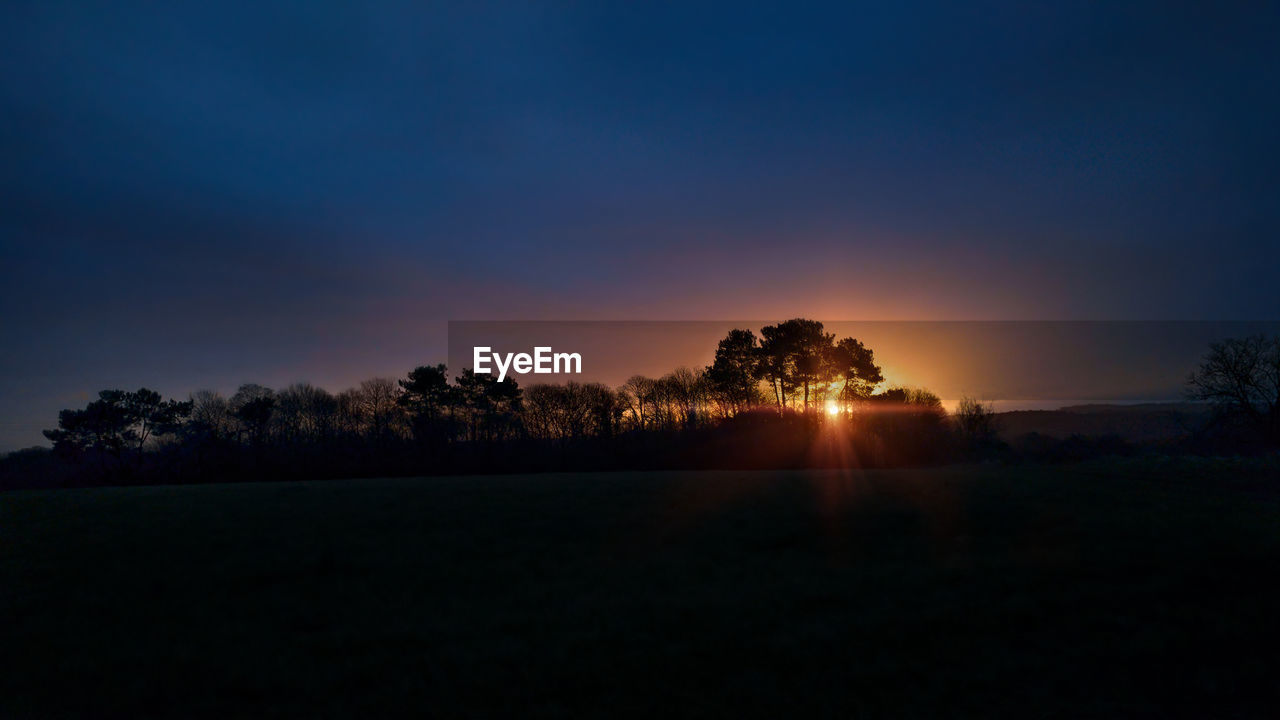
792,366
429,420
761,402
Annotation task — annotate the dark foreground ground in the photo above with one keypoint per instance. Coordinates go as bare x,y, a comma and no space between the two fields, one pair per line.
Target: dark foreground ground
1135,589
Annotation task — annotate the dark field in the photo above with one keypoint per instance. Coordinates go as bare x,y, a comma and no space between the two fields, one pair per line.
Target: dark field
1135,589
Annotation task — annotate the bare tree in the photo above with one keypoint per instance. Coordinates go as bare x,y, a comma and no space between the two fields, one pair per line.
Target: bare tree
305,412
687,393
211,413
976,420
662,403
349,418
378,404
571,410
637,392
1241,376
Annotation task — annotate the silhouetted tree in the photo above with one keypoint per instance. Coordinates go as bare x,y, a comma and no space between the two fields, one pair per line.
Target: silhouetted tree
854,363
253,405
506,405
572,410
490,410
428,399
150,415
380,407
687,395
637,394
117,422
99,426
349,418
1241,377
305,413
975,420
908,397
734,376
812,360
776,360
211,414
795,356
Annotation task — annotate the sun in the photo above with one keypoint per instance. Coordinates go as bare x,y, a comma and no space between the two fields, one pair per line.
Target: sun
833,408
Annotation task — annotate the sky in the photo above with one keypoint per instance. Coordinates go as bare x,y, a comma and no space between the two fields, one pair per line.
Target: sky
198,195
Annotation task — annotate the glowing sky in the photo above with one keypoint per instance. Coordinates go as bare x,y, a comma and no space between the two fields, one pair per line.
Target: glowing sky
206,194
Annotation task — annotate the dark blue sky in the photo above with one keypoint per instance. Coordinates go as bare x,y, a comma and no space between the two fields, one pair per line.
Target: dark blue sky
204,195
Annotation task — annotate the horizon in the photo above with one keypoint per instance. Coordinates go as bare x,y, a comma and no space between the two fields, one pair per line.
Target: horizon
1011,365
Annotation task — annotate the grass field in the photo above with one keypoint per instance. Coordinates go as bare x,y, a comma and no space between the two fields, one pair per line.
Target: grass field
1132,590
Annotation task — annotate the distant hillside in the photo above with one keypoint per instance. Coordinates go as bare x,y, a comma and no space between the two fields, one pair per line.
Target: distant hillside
1138,423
